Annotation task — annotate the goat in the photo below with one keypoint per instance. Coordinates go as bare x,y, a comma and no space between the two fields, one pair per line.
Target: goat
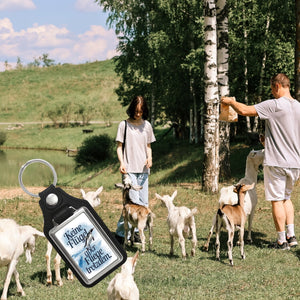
181,221
227,196
94,200
14,239
231,217
137,215
122,286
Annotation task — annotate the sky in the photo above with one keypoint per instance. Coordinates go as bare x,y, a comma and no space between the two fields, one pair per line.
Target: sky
69,31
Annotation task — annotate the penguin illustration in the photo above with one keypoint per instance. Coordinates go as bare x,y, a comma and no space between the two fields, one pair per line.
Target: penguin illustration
89,238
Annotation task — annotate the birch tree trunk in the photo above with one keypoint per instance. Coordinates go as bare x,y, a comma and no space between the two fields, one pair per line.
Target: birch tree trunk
248,123
262,71
223,84
210,176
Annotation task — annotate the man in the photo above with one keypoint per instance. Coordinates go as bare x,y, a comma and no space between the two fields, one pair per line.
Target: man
282,153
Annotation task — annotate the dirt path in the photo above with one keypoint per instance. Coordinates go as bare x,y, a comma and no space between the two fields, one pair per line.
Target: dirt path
10,193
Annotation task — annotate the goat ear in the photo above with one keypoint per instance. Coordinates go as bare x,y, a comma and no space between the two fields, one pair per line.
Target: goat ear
158,196
136,187
249,186
38,233
82,193
99,190
119,185
174,194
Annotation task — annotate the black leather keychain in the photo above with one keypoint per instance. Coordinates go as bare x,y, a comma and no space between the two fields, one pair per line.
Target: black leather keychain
77,232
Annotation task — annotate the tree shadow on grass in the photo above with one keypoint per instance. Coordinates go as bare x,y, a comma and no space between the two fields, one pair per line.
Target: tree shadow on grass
41,276
257,240
166,255
187,173
298,253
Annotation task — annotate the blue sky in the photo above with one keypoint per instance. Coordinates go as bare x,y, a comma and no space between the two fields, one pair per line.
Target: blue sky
70,31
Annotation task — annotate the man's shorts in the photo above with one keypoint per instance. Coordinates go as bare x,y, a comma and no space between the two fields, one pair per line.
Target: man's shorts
279,182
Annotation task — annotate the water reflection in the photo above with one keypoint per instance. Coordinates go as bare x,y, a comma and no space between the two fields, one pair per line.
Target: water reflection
36,174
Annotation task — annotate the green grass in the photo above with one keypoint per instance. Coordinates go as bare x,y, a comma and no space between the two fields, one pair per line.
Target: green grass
27,95
264,274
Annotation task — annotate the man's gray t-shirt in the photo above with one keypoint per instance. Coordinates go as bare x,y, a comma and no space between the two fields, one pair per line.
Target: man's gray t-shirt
282,131
137,139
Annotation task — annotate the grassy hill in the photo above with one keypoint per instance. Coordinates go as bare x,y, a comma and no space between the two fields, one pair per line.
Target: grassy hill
27,95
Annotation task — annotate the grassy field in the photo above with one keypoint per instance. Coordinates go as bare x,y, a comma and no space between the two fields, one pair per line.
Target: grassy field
265,274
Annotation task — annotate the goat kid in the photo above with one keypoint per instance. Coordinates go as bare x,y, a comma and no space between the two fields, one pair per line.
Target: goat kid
14,239
181,221
227,196
231,217
123,286
94,200
137,215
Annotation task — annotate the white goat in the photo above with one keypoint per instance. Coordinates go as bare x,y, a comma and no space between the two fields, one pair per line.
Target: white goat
94,200
14,239
231,217
137,215
180,220
227,196
123,286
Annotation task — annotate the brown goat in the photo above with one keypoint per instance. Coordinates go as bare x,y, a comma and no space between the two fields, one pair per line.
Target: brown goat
231,217
137,215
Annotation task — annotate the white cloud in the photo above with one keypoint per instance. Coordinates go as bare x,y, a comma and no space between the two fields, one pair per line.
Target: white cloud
63,46
16,5
87,6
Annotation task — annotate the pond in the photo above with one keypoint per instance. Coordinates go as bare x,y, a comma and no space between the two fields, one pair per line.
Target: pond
11,160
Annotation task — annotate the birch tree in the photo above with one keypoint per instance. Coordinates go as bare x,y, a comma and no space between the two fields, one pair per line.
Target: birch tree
223,85
211,124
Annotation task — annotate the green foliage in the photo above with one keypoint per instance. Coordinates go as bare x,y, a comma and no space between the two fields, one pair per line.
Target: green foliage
2,137
158,39
162,58
94,150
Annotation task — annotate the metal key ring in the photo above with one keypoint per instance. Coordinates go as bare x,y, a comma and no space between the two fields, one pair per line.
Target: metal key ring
32,161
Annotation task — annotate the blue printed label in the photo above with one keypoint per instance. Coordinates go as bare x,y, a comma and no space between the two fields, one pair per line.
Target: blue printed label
86,245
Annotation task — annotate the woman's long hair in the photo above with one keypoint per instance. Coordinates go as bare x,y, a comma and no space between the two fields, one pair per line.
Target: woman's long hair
133,105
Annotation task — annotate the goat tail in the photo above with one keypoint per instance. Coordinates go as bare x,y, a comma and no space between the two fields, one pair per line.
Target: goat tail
223,218
151,215
192,213
220,213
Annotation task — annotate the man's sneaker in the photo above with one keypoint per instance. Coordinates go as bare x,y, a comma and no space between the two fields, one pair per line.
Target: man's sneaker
292,241
276,245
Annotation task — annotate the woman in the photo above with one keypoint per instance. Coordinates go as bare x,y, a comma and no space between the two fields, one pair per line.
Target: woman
134,138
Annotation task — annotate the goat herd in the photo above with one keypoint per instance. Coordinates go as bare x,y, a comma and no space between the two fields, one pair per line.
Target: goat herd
236,203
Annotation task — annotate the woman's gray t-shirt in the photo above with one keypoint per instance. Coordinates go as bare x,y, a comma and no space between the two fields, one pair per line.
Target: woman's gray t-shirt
137,139
282,131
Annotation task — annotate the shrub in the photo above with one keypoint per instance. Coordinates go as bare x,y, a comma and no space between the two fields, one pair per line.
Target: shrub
2,137
95,149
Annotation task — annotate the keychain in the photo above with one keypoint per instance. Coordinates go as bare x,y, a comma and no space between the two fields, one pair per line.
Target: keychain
77,233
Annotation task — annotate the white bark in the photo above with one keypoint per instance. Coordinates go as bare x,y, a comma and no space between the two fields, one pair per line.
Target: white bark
211,125
223,83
